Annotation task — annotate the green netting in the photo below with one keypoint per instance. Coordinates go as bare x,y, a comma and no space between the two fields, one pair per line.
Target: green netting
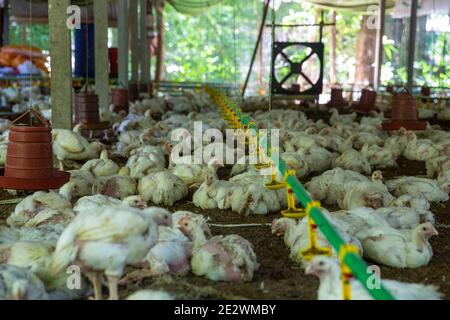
350,5
193,7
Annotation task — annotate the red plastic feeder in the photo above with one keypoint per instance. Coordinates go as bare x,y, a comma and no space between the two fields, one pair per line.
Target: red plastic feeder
133,92
119,99
87,112
366,102
337,100
29,157
404,114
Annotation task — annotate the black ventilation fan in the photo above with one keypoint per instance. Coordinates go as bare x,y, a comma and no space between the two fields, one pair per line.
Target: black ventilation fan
297,68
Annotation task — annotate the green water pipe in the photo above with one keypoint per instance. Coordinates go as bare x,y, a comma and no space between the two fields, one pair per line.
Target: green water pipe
353,261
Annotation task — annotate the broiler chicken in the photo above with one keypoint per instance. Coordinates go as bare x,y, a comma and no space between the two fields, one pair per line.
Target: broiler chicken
108,240
79,185
353,160
398,248
418,187
118,186
90,203
162,188
224,258
20,284
102,167
29,207
213,194
193,174
419,149
329,273
373,194
71,145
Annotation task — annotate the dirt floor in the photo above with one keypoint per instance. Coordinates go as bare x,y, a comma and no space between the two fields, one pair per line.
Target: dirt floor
278,277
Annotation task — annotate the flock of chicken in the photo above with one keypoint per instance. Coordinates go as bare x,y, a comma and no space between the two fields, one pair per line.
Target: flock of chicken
112,218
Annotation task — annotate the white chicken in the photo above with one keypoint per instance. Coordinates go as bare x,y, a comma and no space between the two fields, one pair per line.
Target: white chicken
418,187
405,218
162,188
409,201
118,186
107,240
79,185
224,258
91,203
379,157
151,295
102,167
194,226
35,203
373,194
329,273
193,174
419,149
20,284
213,194
253,199
70,145
353,160
398,248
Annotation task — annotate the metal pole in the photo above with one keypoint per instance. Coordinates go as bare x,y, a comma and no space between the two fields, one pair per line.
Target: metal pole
412,44
258,41
379,43
133,20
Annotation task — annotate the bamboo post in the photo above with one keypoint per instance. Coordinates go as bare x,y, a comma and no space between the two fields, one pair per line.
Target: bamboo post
61,64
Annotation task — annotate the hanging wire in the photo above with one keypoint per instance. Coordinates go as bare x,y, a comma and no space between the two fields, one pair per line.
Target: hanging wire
234,48
30,98
86,29
272,67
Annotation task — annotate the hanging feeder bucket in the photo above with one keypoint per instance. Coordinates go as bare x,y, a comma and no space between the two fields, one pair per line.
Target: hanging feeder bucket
404,114
29,157
119,99
86,108
366,102
337,100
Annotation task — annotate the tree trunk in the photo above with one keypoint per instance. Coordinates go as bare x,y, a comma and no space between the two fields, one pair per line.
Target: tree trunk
365,54
333,72
159,74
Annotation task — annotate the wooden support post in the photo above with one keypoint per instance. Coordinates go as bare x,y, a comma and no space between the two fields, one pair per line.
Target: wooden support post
61,64
101,53
123,41
379,44
134,41
160,51
412,44
145,47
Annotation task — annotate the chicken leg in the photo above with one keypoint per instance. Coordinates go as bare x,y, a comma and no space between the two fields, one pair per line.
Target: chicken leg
61,165
113,284
96,282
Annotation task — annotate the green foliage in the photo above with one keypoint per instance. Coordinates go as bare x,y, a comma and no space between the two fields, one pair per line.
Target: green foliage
38,35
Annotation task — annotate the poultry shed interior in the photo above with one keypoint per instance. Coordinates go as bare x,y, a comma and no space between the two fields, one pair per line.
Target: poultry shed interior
227,150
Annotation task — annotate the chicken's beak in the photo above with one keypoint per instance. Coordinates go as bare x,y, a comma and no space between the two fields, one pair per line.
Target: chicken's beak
434,232
311,270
